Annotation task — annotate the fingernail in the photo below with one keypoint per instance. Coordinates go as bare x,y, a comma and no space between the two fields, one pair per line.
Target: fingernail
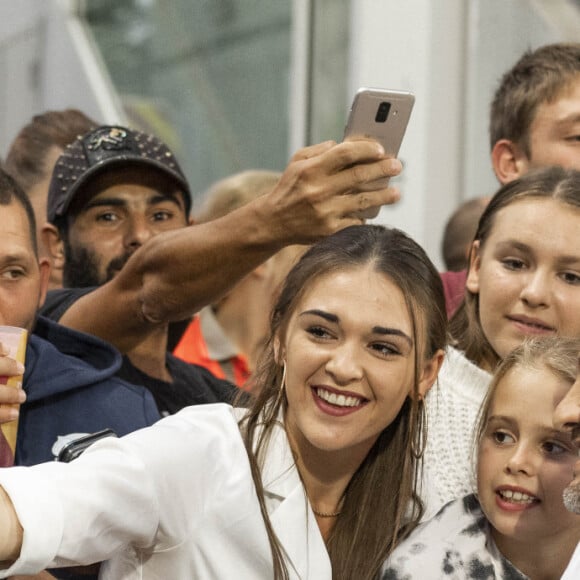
21,396
13,414
19,368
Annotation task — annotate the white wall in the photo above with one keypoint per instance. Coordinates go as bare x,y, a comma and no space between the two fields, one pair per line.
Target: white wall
21,34
451,53
417,45
40,63
74,74
494,45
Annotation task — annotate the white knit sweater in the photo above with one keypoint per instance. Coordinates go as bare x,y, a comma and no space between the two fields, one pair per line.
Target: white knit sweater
452,410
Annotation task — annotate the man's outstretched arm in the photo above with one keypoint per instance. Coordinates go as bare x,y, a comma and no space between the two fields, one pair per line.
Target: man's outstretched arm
176,273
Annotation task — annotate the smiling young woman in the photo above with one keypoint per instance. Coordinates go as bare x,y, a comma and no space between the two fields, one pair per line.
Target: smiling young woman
317,480
356,343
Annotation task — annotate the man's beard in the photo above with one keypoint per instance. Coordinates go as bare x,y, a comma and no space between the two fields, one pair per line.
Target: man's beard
572,497
81,268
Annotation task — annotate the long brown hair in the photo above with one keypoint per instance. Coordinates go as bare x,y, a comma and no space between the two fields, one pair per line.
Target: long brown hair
381,505
555,183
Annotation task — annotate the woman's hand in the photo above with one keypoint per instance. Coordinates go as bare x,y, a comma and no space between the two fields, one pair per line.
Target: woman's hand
10,531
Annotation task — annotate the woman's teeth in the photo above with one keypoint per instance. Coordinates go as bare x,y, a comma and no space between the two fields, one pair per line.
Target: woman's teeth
338,400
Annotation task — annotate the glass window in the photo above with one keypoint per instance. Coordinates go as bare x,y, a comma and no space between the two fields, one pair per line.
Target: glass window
329,98
212,77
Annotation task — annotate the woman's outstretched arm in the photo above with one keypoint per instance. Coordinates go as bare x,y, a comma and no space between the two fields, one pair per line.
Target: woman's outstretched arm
10,531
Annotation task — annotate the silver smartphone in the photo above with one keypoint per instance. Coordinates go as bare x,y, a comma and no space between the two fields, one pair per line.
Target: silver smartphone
382,115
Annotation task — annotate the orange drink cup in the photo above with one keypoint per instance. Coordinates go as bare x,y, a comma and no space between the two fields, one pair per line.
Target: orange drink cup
13,340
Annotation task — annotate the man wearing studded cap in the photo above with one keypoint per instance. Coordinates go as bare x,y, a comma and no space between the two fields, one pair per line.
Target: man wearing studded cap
110,192
119,229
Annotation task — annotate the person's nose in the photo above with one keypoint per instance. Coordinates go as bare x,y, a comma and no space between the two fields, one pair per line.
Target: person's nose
138,231
521,460
344,363
536,290
567,413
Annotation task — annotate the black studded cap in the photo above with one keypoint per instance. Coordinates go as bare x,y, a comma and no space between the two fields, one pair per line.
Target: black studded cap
104,148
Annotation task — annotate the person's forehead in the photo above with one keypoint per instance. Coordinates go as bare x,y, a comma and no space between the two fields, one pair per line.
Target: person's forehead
566,101
532,387
528,214
15,230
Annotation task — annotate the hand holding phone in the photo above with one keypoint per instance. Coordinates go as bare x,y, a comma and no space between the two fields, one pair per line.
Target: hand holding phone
382,115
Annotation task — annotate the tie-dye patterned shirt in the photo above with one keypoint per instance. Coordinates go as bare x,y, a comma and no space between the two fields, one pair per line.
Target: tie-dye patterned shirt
456,544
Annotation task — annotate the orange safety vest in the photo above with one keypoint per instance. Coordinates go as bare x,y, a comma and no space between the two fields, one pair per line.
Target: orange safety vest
193,348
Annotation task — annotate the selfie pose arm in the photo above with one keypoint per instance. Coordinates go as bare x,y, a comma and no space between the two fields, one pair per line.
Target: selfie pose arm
47,510
10,531
176,273
130,501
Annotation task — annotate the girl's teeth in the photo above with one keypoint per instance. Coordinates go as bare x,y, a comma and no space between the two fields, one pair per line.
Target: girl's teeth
516,496
338,400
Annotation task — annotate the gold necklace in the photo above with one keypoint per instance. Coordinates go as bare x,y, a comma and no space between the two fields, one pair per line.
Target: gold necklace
325,514
329,514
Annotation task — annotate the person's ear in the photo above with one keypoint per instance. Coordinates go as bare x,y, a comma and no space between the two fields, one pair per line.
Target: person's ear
472,281
54,244
429,373
508,160
44,270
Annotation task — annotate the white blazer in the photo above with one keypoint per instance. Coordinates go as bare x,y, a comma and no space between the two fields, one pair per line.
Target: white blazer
572,572
175,500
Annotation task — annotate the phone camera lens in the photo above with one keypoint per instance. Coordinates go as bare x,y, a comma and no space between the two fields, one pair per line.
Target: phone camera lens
383,112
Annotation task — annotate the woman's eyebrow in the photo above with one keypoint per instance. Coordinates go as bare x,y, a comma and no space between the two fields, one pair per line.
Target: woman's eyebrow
512,244
385,330
392,332
326,315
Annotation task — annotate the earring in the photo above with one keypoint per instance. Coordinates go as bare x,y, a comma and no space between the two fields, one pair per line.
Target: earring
419,439
282,386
